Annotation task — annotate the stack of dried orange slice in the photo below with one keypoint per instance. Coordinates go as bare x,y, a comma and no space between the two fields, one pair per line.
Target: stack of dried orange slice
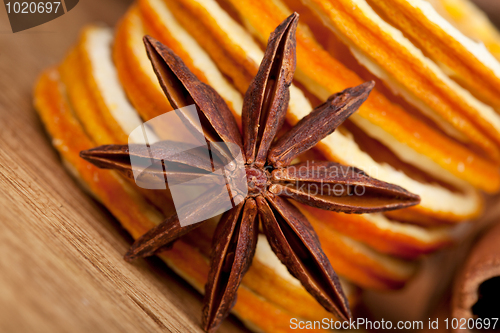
432,124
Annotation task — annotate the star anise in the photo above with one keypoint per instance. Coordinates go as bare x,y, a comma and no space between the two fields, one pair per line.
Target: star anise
270,176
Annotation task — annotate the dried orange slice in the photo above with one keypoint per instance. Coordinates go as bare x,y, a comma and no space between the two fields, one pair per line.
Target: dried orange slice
403,67
424,241
408,137
469,19
371,268
173,35
340,146
466,61
374,263
135,70
69,138
358,246
365,249
397,239
94,89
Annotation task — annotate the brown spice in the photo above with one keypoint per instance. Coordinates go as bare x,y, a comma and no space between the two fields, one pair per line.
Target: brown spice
269,174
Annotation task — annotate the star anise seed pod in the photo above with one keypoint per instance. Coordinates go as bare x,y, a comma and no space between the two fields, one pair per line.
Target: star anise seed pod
269,174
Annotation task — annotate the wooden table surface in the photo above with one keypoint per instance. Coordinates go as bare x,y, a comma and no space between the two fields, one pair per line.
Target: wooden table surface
61,267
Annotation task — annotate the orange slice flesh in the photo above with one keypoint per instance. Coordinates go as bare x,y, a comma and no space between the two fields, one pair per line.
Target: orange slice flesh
99,101
397,239
271,271
137,216
436,201
471,21
323,75
84,105
105,92
208,36
252,309
139,80
368,269
238,62
382,155
393,58
134,68
173,35
338,146
469,62
69,138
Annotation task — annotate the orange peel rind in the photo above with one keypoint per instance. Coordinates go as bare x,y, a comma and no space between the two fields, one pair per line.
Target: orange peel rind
467,61
471,21
173,35
134,68
392,57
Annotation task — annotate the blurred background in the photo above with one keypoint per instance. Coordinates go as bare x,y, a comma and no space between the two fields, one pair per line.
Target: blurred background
492,8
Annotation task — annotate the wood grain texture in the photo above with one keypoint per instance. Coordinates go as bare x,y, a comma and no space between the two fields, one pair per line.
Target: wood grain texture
61,268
